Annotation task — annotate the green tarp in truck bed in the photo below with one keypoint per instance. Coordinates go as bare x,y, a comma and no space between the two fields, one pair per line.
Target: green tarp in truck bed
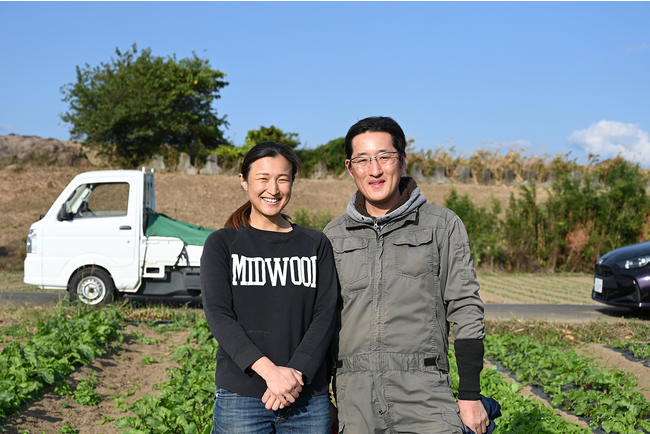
162,226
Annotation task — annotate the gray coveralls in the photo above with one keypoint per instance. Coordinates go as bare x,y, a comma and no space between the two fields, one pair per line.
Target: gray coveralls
404,278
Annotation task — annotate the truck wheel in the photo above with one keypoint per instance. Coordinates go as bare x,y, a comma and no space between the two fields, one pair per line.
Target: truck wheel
92,286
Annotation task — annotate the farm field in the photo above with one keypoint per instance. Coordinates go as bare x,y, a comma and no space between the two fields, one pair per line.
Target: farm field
128,374
558,288
149,369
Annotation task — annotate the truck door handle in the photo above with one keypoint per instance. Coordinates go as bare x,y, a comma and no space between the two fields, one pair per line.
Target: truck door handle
125,228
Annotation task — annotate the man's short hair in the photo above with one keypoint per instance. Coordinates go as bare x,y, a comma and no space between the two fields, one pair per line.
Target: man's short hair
378,124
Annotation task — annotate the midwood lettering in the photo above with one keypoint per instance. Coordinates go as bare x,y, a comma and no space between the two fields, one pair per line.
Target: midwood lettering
253,271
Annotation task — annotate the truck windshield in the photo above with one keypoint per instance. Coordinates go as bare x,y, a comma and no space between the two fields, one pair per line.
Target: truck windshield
99,200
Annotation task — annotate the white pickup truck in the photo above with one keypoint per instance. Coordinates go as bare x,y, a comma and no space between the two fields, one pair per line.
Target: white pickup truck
102,238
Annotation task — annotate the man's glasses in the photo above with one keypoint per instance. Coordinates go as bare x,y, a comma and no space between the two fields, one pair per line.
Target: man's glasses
384,159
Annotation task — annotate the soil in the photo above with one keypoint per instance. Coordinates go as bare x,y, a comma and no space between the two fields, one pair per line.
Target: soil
118,373
6,322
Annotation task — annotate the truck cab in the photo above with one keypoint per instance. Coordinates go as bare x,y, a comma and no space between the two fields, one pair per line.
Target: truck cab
102,238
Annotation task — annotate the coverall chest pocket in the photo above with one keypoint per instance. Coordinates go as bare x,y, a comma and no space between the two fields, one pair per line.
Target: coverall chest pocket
351,262
415,253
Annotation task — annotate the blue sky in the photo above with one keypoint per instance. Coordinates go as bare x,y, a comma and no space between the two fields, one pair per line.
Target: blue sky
552,77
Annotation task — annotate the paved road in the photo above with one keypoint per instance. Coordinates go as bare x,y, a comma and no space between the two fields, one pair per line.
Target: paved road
549,312
31,298
45,298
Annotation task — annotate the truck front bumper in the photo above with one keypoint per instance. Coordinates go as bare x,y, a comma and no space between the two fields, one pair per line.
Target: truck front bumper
34,270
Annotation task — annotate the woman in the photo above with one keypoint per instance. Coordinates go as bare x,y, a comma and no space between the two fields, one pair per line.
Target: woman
269,293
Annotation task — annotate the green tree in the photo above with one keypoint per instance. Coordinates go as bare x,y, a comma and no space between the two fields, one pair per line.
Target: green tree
231,156
271,134
332,153
129,108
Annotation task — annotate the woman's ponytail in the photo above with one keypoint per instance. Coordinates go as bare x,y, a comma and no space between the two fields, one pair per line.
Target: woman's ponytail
241,217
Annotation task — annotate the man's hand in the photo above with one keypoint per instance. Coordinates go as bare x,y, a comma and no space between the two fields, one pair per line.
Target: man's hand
474,416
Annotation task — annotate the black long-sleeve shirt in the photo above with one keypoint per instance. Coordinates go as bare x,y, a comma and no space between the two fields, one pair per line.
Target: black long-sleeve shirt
269,294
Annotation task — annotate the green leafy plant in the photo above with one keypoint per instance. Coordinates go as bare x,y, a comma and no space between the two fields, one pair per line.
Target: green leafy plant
107,419
63,389
120,404
118,399
147,341
639,350
85,393
605,396
60,345
519,413
148,360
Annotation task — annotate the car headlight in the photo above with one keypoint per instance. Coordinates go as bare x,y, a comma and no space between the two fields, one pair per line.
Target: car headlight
638,262
31,241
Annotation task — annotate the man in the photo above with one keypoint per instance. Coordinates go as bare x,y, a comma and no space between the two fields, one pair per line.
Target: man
406,275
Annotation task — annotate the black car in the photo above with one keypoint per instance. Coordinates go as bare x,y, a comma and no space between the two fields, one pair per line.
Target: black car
622,277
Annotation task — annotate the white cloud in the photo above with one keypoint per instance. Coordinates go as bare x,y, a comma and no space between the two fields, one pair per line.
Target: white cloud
636,47
6,128
611,138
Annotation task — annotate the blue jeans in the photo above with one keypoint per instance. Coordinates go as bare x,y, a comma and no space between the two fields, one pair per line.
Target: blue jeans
237,414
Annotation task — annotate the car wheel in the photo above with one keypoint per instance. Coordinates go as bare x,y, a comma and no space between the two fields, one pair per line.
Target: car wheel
92,286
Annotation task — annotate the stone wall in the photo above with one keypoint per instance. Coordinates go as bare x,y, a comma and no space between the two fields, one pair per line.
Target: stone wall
16,149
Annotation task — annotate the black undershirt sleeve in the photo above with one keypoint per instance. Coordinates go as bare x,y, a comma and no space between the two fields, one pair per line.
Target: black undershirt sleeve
469,359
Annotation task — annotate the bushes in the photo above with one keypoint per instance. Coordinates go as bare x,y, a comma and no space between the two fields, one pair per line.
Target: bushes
525,232
317,220
332,154
579,222
484,226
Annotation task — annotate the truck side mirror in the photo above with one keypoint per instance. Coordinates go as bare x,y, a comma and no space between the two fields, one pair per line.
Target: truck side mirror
64,214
